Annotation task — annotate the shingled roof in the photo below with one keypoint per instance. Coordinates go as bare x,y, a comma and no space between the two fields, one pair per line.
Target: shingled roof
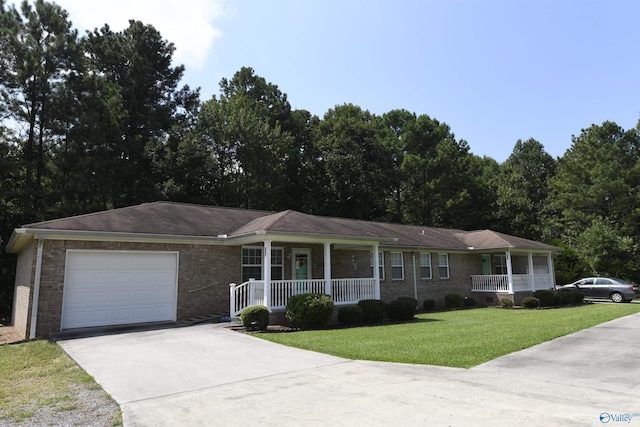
166,218
188,220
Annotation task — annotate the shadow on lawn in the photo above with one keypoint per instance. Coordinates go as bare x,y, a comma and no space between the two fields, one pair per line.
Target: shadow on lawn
331,326
418,320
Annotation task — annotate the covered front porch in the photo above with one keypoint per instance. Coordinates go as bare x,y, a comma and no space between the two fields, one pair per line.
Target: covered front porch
342,291
517,272
274,292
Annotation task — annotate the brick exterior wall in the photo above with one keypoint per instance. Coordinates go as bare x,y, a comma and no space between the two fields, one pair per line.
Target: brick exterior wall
461,268
25,271
203,265
199,266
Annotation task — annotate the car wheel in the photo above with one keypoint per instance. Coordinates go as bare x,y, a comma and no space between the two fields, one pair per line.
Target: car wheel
616,297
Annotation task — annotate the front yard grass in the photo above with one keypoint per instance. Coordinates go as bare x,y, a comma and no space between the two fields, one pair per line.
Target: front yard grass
37,379
462,338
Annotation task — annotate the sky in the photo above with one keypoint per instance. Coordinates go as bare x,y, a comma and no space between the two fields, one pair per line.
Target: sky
495,71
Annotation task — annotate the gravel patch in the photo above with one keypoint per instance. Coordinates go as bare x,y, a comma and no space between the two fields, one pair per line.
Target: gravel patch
85,404
88,405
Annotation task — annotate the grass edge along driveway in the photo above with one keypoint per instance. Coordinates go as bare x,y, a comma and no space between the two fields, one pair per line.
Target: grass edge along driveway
41,385
461,339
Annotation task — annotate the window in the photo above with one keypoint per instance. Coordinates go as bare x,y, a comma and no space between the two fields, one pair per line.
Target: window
380,264
397,266
277,263
425,266
501,264
443,266
252,263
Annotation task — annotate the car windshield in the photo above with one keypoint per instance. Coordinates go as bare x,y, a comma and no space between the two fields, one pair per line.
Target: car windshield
624,282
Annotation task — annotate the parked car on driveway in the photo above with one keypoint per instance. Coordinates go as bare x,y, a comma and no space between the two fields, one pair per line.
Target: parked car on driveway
616,290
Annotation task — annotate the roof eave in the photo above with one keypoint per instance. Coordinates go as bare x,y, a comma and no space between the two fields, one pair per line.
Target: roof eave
23,235
19,239
284,236
552,249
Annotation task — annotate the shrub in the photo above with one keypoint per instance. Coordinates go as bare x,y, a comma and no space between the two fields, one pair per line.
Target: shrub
545,297
557,299
469,302
309,311
401,309
578,297
452,301
506,302
372,310
255,317
567,297
429,304
412,300
530,302
350,315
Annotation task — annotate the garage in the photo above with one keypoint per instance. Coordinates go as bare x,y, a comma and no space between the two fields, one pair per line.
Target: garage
118,287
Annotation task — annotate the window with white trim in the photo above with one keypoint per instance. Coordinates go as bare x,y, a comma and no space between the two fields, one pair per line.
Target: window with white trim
443,266
397,266
252,263
501,264
425,265
380,264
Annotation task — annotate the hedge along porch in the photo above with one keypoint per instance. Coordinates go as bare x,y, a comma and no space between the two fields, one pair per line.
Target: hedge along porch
170,261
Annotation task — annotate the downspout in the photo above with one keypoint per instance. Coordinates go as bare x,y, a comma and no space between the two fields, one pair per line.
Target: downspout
36,288
415,280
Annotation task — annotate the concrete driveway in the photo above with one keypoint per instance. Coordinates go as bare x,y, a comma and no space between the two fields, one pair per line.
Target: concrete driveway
208,376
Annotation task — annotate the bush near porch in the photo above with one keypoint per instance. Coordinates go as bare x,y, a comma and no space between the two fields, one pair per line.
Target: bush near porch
309,311
459,338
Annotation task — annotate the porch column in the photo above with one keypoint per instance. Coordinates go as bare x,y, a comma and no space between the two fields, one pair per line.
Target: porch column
267,274
509,272
327,268
532,277
376,272
552,273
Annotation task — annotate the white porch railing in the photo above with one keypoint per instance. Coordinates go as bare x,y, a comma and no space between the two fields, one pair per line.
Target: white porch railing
343,291
490,283
500,282
282,290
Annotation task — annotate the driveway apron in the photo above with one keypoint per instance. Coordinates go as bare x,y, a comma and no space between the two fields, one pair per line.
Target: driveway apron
144,365
208,376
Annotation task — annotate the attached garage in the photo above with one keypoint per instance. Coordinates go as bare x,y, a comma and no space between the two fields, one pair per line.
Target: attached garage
118,287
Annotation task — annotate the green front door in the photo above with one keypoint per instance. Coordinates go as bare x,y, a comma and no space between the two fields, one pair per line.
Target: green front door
486,264
301,268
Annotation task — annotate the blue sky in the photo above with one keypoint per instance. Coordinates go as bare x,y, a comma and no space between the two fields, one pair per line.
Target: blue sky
496,71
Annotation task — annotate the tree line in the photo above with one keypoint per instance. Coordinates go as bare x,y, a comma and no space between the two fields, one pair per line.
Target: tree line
99,121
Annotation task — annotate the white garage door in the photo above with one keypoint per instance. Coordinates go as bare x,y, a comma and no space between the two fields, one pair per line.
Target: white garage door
114,288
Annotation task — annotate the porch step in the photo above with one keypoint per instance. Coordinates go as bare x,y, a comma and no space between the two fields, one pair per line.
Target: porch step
205,318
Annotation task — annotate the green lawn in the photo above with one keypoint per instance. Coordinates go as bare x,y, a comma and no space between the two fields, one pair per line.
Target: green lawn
463,338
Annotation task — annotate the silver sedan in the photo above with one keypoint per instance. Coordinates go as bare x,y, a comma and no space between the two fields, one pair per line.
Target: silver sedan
616,290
